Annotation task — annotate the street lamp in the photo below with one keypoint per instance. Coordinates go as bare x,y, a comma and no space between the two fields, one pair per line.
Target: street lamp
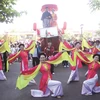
81,28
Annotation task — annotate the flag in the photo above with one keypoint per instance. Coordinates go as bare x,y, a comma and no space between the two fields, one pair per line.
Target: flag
62,57
12,57
66,56
83,57
85,44
7,65
30,47
5,47
65,47
23,80
33,48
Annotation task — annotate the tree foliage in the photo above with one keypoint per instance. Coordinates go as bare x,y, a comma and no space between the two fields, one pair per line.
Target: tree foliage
7,11
94,4
98,32
87,35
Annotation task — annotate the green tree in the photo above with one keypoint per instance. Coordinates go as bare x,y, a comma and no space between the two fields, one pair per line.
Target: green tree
98,32
87,35
7,11
67,35
94,4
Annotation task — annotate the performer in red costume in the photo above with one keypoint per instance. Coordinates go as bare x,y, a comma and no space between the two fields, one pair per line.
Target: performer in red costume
2,76
23,54
47,85
94,49
90,85
74,76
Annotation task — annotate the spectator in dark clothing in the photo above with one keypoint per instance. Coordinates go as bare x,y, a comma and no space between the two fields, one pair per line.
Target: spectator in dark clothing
39,48
46,18
5,56
35,58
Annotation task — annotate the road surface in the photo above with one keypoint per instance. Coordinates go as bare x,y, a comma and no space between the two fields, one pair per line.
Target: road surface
71,91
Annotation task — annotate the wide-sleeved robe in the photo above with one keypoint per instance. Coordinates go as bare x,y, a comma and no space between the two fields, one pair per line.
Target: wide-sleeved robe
2,76
74,76
91,83
23,54
46,82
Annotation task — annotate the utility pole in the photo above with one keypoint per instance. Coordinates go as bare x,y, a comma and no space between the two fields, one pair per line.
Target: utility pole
81,26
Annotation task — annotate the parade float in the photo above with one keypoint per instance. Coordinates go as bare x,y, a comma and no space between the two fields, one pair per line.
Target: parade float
50,34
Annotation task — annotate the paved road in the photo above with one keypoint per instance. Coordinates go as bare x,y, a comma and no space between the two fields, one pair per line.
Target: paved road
71,91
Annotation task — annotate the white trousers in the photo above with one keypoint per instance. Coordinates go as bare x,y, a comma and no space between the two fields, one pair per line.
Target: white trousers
54,87
74,76
2,76
89,86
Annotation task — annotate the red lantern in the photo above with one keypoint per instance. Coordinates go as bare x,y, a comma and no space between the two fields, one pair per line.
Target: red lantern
65,25
34,26
38,32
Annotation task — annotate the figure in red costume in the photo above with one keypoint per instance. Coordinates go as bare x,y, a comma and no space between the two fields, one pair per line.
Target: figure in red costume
49,51
54,19
74,76
47,85
90,85
24,57
94,49
23,54
2,76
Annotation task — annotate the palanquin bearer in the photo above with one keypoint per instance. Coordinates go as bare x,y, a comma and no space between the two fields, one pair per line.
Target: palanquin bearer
90,85
2,76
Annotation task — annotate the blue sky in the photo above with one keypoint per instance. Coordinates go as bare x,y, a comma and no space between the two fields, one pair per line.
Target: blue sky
74,12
